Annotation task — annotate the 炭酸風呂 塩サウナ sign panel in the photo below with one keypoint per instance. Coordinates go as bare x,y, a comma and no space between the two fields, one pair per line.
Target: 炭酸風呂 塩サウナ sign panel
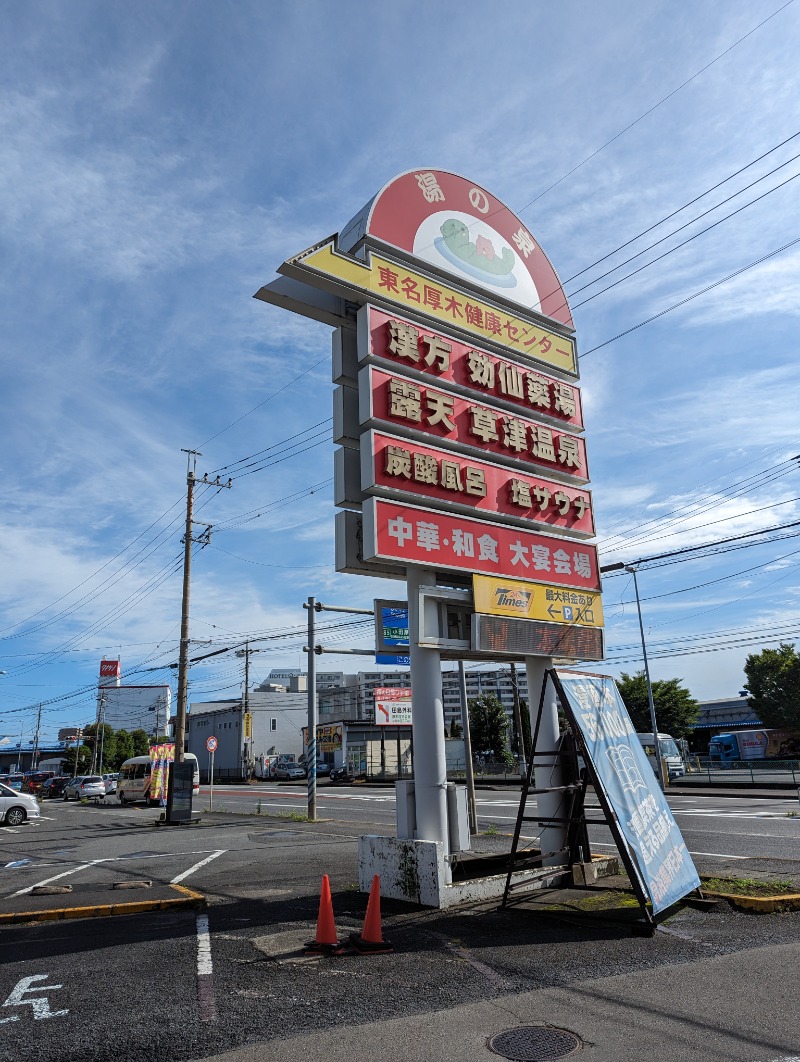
450,480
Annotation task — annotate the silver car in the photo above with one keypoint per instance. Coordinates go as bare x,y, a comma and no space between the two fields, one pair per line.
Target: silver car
289,772
88,787
16,807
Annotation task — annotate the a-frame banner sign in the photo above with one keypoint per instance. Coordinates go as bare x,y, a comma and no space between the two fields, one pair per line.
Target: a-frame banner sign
648,838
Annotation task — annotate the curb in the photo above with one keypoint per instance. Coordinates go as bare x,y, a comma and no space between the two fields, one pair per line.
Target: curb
760,904
189,899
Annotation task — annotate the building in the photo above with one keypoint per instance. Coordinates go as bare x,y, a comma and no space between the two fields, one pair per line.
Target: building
277,719
719,717
131,707
353,698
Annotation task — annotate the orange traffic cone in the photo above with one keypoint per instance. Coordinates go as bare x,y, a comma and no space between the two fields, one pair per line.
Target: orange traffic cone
326,941
371,941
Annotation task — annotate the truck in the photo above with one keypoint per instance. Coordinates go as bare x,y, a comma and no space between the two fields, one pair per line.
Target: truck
742,745
670,754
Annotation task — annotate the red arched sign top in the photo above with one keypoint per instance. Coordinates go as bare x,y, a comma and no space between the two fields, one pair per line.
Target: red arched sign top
461,228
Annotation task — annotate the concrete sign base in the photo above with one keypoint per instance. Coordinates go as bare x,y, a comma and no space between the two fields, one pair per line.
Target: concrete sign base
416,872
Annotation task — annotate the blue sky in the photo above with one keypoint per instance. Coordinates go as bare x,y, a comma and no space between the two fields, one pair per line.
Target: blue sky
159,162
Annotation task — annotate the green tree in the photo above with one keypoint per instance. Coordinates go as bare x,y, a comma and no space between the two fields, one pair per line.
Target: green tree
84,760
676,709
773,682
488,727
106,744
141,742
456,730
123,748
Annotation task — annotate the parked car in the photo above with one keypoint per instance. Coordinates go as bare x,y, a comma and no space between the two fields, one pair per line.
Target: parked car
89,786
289,772
54,787
13,781
110,781
323,769
16,807
33,781
341,774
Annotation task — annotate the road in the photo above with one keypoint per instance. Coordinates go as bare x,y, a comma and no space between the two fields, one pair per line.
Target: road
711,825
187,985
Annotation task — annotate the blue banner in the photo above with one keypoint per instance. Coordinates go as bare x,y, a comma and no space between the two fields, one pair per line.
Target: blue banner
620,764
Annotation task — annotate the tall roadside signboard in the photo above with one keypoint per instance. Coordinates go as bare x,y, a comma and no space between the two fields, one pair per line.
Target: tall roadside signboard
460,429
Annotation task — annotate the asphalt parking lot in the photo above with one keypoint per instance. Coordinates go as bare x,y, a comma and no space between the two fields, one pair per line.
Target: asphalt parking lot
232,981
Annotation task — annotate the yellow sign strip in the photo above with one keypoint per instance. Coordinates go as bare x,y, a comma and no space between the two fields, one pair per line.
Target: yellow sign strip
413,291
536,601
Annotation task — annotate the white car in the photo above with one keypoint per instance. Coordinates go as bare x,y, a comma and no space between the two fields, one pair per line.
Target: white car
16,807
110,782
87,786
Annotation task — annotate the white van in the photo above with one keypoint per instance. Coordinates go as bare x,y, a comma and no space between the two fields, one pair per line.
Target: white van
133,783
670,754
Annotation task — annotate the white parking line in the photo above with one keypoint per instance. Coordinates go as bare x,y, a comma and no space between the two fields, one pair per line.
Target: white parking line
202,863
207,1004
65,874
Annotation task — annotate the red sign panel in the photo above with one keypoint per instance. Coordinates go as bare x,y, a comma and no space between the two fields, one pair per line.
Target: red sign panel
110,668
412,405
409,467
484,374
460,227
421,538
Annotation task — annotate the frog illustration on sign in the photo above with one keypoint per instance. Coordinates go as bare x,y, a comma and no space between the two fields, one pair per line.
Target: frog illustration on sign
479,258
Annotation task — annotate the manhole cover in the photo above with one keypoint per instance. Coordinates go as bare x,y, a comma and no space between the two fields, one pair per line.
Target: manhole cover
534,1043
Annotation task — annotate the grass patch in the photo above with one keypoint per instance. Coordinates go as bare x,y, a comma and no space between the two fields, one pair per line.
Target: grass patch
749,886
491,830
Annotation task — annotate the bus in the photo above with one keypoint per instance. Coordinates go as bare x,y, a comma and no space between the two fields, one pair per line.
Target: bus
670,754
135,776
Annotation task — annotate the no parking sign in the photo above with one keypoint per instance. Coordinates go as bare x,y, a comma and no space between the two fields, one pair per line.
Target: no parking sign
211,744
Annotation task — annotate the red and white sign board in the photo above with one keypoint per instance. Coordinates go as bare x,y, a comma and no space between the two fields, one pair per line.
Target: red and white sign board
414,407
422,349
110,669
458,227
211,744
392,706
438,540
395,466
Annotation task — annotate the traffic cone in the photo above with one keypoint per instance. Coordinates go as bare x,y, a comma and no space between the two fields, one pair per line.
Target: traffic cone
370,941
326,941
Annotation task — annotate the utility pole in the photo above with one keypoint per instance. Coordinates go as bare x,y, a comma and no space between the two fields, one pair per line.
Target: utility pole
188,540
35,758
247,743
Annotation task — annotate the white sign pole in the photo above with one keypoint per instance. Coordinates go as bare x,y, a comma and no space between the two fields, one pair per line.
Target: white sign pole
547,769
430,769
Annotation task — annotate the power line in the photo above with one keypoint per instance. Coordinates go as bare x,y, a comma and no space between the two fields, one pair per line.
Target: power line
695,295
679,210
683,243
656,106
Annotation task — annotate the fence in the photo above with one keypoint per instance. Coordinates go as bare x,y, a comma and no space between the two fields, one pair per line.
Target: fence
745,772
